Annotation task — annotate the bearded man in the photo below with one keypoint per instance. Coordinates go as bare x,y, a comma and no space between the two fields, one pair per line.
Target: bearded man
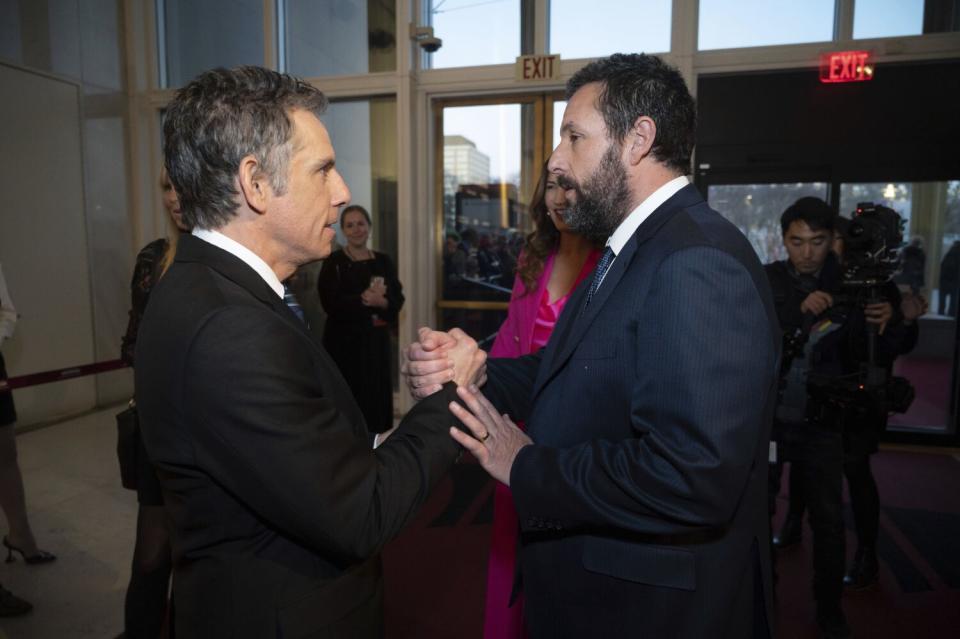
640,481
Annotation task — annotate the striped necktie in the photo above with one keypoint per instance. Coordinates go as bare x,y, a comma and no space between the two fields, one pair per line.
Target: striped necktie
291,301
602,265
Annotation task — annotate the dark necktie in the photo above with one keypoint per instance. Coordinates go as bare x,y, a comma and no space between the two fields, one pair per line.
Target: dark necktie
291,301
602,265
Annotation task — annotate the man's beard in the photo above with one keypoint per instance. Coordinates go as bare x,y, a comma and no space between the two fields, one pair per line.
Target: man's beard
602,199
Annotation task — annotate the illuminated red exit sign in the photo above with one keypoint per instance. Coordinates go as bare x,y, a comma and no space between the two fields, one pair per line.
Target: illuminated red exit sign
846,66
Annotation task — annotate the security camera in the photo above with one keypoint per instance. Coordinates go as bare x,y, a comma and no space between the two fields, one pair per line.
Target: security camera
425,38
431,44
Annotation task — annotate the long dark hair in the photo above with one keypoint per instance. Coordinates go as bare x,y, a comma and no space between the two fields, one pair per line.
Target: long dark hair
544,238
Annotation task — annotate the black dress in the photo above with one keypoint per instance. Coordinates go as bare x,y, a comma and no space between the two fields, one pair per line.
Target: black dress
357,336
146,272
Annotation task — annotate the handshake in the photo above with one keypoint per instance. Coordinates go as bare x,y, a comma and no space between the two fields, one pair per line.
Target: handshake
438,357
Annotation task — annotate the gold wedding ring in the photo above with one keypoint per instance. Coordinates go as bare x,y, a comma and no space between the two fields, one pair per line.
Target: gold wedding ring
485,437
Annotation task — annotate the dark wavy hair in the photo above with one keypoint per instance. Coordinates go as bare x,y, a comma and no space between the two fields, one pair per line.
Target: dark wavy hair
544,238
637,84
222,116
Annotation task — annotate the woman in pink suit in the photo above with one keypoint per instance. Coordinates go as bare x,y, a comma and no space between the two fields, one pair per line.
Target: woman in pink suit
554,260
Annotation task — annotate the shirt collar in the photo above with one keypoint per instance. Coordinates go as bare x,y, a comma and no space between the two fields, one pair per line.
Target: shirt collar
244,254
630,224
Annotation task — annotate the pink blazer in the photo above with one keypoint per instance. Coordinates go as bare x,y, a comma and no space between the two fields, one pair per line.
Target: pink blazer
516,333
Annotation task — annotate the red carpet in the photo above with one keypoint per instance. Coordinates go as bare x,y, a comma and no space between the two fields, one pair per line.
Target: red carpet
919,591
436,571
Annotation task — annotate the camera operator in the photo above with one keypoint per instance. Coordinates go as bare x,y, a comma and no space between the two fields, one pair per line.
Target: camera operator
806,431
824,427
897,329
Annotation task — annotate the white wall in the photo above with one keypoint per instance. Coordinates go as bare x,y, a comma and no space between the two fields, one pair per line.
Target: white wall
43,240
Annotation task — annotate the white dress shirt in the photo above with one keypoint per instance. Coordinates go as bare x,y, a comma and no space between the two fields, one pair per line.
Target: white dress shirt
250,258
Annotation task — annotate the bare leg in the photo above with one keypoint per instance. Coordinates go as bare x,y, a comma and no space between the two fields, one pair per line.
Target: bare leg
146,603
12,499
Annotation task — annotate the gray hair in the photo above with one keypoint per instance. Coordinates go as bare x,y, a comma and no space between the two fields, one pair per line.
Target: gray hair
222,116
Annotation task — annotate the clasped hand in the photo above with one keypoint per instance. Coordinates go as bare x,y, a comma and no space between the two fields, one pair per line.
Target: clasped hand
439,357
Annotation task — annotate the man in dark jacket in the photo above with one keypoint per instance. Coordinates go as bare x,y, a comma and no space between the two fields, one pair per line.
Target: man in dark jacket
279,500
805,432
826,329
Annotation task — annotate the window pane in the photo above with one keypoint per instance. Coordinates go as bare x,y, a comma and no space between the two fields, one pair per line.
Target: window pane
364,134
339,38
480,324
754,23
897,196
558,108
885,18
484,200
930,266
944,300
756,210
203,35
79,40
615,26
475,32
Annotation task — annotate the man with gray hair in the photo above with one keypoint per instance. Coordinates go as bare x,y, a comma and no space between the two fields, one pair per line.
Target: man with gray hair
279,501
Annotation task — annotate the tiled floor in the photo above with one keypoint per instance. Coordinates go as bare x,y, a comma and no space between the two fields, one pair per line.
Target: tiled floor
80,512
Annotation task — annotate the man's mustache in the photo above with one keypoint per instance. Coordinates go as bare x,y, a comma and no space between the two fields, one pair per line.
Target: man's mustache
567,183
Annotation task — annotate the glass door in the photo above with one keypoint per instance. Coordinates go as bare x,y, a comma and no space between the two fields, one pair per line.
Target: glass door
490,153
929,266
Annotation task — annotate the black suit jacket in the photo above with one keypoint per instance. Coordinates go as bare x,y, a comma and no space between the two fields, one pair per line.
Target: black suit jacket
643,501
279,504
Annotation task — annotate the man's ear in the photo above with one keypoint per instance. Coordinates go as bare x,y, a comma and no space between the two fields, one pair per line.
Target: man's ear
640,139
254,186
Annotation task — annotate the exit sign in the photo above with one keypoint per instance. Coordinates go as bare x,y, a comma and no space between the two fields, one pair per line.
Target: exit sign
846,66
537,67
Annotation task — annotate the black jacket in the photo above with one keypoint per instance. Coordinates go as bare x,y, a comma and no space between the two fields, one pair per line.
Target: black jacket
279,504
643,501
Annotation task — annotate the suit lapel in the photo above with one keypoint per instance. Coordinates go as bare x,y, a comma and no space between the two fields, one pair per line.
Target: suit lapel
579,319
192,249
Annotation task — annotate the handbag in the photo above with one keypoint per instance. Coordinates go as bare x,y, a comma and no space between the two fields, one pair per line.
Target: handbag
128,442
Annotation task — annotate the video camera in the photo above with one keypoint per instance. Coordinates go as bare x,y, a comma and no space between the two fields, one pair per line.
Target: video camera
870,246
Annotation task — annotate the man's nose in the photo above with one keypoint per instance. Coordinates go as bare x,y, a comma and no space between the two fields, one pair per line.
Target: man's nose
557,163
340,191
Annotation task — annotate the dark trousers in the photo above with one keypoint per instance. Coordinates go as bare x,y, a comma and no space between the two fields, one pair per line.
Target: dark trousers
819,471
864,498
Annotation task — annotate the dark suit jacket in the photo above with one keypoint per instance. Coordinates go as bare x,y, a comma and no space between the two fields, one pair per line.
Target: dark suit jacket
277,499
643,501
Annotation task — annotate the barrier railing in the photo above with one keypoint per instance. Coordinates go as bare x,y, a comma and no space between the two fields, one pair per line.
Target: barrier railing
59,375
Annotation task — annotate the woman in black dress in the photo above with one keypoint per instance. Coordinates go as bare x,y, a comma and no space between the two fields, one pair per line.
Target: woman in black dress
145,606
360,292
